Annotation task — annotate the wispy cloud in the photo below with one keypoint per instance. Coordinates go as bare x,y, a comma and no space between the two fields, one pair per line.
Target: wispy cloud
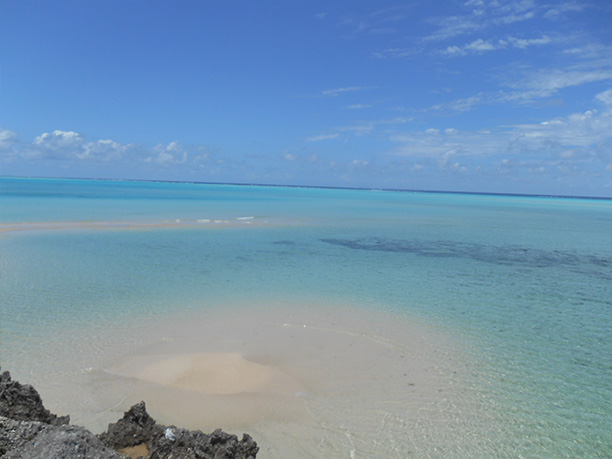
547,82
396,53
532,85
453,26
482,15
527,42
366,127
605,97
480,45
357,106
462,104
360,129
381,21
319,138
583,137
338,91
477,46
590,51
557,11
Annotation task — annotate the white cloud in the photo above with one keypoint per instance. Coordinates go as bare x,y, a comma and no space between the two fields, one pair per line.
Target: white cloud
512,18
338,91
104,150
384,21
357,106
173,153
578,137
455,51
394,53
60,145
58,139
593,52
582,130
290,157
359,129
605,97
480,16
453,26
480,45
546,82
70,146
533,86
319,138
527,42
7,139
559,10
461,105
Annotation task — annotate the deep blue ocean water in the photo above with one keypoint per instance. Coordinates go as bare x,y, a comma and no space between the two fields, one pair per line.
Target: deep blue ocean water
525,281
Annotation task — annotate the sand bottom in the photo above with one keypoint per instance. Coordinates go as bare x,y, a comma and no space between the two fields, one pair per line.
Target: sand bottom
210,373
304,381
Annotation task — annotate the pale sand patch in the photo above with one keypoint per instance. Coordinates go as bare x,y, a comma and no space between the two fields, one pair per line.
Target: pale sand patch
212,373
135,452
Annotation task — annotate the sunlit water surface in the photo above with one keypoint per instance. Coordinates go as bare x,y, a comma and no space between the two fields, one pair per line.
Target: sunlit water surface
519,287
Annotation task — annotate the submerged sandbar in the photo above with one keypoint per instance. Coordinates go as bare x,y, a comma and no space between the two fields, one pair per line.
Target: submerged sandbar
305,380
134,224
211,373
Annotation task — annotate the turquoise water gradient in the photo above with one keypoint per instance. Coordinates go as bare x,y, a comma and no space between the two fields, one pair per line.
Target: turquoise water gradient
526,281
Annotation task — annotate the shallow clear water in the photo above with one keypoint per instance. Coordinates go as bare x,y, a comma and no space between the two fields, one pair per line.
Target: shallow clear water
525,283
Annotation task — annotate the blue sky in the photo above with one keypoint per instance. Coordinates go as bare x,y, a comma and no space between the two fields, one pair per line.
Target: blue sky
477,95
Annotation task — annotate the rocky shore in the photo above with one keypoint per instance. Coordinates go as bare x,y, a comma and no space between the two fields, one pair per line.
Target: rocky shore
29,431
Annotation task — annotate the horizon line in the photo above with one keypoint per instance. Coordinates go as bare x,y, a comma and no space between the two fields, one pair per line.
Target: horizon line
328,187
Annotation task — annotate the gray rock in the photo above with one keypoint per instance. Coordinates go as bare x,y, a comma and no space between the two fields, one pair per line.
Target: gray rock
15,434
137,427
29,431
134,428
23,403
49,441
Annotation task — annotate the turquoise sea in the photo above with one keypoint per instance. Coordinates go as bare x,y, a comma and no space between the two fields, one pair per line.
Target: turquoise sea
523,285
